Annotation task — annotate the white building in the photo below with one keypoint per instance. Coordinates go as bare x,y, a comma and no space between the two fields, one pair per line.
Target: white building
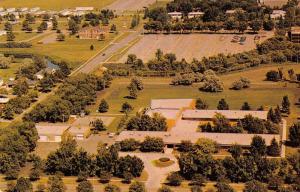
84,8
175,15
277,14
195,14
2,32
66,13
10,10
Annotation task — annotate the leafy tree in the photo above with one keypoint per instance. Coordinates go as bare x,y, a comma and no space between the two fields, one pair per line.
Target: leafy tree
294,134
196,188
132,91
47,83
164,189
126,107
198,180
34,174
113,28
222,105
224,187
254,186
10,36
246,107
137,187
8,26
129,164
275,182
142,122
255,25
212,83
242,83
23,185
21,87
200,104
272,76
112,188
129,145
174,179
273,149
258,146
60,37
98,125
55,184
54,23
103,106
85,186
206,145
185,146
152,144
105,177
268,25
73,26
235,151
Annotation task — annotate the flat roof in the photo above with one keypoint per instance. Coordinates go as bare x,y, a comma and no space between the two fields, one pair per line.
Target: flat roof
230,114
220,138
78,129
167,113
170,103
51,129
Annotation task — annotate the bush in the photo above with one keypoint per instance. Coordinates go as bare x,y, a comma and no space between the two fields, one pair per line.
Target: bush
152,144
129,145
174,179
207,145
241,84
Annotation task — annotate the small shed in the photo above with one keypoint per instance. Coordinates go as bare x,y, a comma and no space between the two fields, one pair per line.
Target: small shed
51,132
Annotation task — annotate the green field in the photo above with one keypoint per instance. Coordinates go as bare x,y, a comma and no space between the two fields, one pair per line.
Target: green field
55,4
5,74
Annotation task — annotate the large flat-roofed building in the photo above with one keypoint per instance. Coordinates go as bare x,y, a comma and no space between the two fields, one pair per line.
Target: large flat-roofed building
229,114
223,139
294,34
51,133
171,103
91,33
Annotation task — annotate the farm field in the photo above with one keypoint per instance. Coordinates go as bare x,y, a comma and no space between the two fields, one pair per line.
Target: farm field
190,46
55,4
129,5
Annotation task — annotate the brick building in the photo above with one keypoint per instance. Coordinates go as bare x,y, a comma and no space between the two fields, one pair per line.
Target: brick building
92,33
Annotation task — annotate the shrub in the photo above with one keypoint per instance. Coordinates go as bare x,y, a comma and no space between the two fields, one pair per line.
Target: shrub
174,179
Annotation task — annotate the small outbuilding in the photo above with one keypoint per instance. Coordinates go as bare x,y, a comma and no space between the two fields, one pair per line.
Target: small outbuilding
51,133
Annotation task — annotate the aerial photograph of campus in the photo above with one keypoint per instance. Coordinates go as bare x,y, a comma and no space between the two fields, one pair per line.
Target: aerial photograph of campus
149,95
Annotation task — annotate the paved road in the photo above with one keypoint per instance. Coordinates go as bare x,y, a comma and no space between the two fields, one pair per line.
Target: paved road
103,56
156,175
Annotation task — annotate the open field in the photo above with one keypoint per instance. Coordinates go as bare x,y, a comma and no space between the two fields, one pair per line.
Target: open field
129,5
55,4
190,46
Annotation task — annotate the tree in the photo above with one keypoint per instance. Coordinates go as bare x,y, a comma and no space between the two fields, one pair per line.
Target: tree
235,151
174,179
10,36
47,83
212,83
246,107
255,186
258,146
268,25
255,25
60,37
126,108
132,91
92,47
23,185
242,83
196,188
55,184
137,187
112,188
273,149
54,23
294,135
137,82
113,28
105,177
129,145
242,26
286,104
34,174
275,182
85,186
98,125
222,105
224,187
73,26
129,165
164,189
206,145
272,76
8,26
200,104
152,144
103,106
21,87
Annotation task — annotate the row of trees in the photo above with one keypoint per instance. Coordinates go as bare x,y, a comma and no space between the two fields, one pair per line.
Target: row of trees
71,98
144,122
150,144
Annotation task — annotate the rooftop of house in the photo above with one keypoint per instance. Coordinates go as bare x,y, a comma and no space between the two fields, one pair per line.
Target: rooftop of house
173,138
171,103
167,113
230,114
175,13
196,13
51,129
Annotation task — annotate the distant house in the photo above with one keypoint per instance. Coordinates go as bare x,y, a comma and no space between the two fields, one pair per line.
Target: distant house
197,14
1,9
50,69
2,32
51,132
91,33
175,15
23,9
4,99
10,10
294,34
80,132
34,9
1,82
11,82
277,14
84,8
66,13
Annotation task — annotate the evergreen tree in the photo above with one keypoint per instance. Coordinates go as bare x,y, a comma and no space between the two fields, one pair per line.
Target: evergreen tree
112,188
273,149
286,104
294,135
200,104
103,106
54,23
85,186
132,91
222,105
126,107
56,184
137,187
10,36
258,146
98,125
23,185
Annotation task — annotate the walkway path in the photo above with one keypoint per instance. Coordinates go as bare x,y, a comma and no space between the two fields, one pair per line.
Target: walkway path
157,175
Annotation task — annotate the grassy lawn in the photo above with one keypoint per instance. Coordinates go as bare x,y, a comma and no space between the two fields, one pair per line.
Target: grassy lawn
56,4
5,74
20,36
